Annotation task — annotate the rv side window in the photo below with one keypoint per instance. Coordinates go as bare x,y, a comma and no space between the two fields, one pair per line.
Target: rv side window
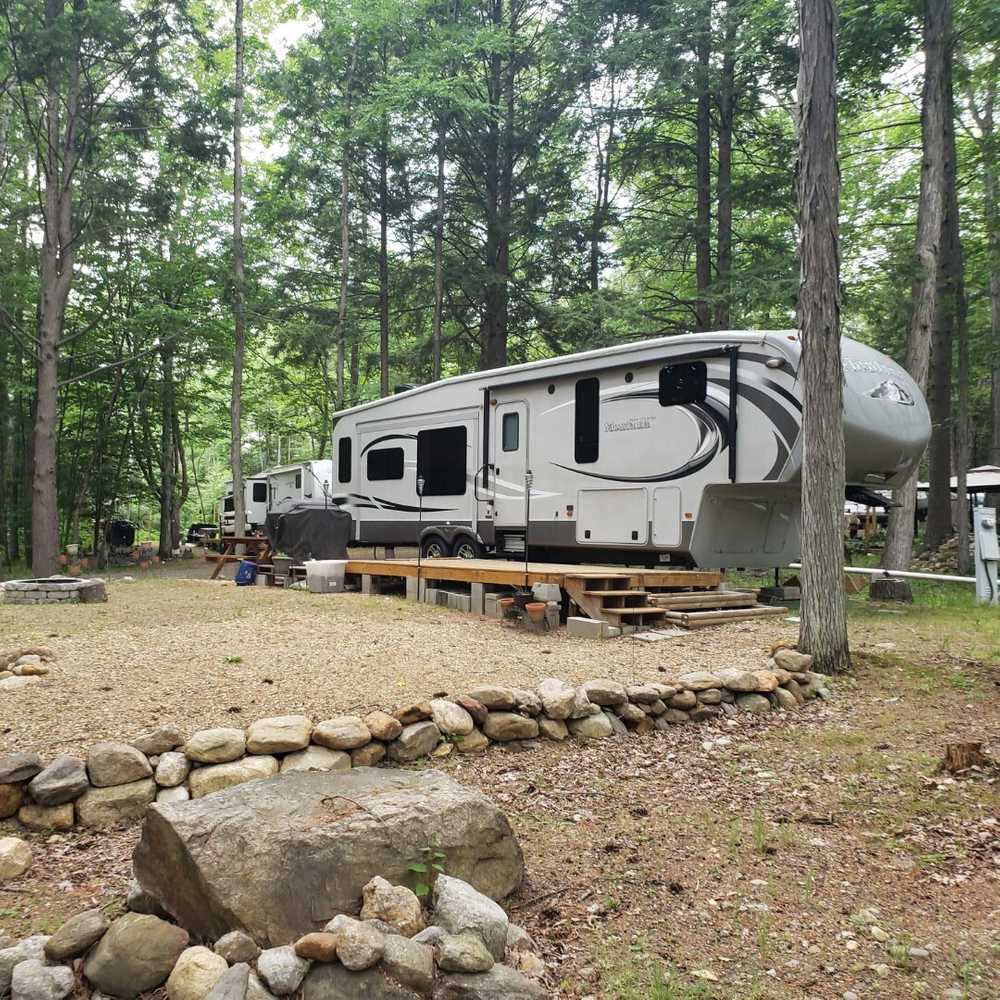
344,460
511,431
588,415
441,461
385,463
681,384
260,492
298,480
229,504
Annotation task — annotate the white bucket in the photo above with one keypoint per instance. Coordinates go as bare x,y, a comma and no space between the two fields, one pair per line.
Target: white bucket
325,576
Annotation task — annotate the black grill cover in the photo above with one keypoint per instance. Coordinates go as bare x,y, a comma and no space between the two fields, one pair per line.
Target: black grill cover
309,529
119,534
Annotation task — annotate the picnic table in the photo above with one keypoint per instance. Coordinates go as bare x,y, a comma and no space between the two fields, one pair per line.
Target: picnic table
258,548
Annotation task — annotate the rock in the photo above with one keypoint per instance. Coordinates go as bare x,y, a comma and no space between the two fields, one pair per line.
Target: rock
172,769
518,939
504,726
754,704
416,712
160,740
110,764
618,728
683,700
178,794
18,766
342,733
31,948
792,686
333,982
397,905
474,742
107,806
369,755
713,696
463,952
206,780
582,705
593,727
31,670
315,758
642,694
605,692
216,746
792,660
256,990
785,699
527,701
136,954
359,945
237,946
33,980
557,698
282,970
530,964
197,971
383,726
15,858
738,680
474,707
62,781
322,836
416,740
11,798
766,680
232,984
280,734
655,708
704,712
459,907
319,946
671,717
140,901
553,729
500,983
430,935
451,719
409,962
77,936
15,683
699,680
494,698
629,713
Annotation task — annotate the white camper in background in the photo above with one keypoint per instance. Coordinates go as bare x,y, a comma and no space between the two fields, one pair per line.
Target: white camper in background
255,505
311,480
683,450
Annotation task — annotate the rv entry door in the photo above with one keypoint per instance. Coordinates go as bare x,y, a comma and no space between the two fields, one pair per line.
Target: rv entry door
510,461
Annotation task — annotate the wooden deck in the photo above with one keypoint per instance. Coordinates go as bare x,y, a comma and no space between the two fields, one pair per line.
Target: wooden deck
512,574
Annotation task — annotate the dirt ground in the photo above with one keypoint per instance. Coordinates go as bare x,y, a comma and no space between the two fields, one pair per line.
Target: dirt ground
801,856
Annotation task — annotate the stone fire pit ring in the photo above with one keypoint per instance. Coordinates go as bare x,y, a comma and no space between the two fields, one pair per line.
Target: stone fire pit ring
55,590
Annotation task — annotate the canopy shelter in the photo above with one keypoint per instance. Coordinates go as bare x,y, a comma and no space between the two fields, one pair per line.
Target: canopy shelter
981,479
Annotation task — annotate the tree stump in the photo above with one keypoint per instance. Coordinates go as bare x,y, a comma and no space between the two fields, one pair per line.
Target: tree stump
961,756
888,588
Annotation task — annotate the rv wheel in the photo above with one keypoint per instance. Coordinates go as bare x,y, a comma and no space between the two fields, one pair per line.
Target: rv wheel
433,548
466,548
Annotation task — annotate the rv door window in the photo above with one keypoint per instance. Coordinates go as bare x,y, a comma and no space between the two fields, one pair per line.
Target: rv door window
587,423
260,492
441,459
229,504
385,463
344,460
298,480
510,432
680,384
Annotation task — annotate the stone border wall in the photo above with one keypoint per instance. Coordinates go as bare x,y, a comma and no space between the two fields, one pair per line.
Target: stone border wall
119,780
55,590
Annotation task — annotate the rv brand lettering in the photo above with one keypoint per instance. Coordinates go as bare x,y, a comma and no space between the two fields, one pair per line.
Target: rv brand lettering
632,424
864,366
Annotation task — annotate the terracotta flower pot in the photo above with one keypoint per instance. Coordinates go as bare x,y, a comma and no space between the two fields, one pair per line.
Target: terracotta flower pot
535,610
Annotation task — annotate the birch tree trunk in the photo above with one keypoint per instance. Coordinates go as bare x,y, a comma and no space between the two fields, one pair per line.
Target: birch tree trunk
823,630
930,214
239,291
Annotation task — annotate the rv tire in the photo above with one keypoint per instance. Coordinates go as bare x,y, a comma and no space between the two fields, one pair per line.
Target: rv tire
466,547
433,547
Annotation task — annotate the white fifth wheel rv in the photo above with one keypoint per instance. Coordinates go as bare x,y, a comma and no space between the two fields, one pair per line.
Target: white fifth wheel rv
310,480
254,501
683,449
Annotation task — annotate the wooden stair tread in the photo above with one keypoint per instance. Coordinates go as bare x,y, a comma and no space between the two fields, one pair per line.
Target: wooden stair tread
630,612
616,593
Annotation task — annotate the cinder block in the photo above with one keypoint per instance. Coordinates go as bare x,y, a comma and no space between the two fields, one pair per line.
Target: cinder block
369,584
490,607
411,588
547,592
585,628
478,598
431,595
459,602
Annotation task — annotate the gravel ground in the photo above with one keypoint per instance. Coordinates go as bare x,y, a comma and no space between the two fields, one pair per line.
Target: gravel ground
201,653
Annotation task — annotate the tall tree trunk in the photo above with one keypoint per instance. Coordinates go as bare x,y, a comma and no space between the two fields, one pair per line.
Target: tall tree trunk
724,209
823,631
239,291
383,258
703,158
937,32
438,251
345,227
167,446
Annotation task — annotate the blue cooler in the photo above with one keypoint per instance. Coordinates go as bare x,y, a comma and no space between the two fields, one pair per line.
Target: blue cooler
246,573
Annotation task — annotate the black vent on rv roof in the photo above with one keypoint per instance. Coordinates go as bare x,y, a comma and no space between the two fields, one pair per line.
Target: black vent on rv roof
403,387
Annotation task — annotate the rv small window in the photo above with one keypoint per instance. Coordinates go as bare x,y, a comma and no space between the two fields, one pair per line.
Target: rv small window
298,480
385,463
260,492
587,423
681,384
344,460
441,461
511,431
229,504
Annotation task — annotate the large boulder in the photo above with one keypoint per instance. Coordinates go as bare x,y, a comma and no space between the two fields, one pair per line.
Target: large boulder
334,982
279,858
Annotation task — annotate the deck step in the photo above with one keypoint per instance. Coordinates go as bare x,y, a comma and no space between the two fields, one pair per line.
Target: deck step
632,612
616,593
